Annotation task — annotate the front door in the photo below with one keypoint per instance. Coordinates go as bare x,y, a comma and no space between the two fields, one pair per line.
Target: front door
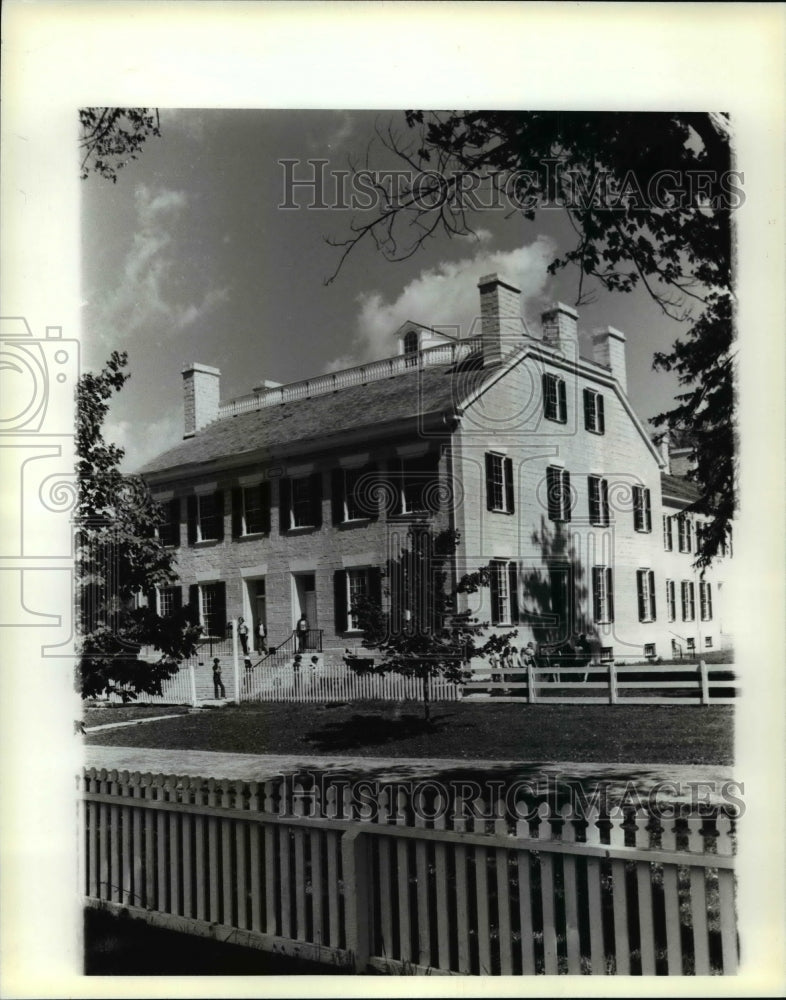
259,613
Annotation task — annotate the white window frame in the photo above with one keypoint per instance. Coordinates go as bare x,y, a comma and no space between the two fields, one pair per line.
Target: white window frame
642,509
500,482
293,501
668,533
601,504
553,394
204,612
351,475
244,490
705,600
565,497
164,597
200,535
645,594
499,591
688,600
690,644
684,533
355,573
671,601
405,466
593,424
602,578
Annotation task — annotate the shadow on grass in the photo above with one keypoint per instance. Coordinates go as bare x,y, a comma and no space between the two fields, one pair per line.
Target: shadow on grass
373,730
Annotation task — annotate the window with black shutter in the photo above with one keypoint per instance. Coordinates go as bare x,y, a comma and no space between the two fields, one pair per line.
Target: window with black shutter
419,479
602,595
340,600
598,490
645,590
594,417
642,510
554,398
499,484
169,530
192,520
558,493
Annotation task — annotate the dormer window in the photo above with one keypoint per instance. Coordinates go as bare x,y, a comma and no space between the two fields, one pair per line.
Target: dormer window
411,345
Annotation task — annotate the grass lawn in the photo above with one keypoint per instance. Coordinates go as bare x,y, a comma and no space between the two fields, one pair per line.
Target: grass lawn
673,734
103,714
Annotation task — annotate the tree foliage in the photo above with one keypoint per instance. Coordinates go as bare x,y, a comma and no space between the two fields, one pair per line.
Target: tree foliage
421,633
649,198
119,558
112,137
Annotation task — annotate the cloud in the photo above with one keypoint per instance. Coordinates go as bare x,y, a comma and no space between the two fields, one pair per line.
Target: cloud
446,295
143,440
147,299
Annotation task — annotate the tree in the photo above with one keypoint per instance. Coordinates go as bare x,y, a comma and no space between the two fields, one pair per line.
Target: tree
118,558
649,197
111,137
422,634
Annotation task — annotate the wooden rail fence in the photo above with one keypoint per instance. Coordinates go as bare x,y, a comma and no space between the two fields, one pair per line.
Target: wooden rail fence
305,875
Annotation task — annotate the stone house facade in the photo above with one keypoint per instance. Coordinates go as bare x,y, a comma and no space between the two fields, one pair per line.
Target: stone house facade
295,498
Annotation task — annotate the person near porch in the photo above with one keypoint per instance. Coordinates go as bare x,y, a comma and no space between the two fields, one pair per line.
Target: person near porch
301,630
242,631
261,638
218,684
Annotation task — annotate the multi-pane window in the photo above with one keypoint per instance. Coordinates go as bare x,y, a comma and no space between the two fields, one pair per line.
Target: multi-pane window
649,650
558,493
705,600
411,348
253,511
499,483
598,500
684,533
503,585
357,588
645,590
668,541
671,600
642,509
688,595
594,417
208,514
602,594
212,609
708,642
302,506
419,478
167,601
555,405
354,510
169,529
354,495
691,645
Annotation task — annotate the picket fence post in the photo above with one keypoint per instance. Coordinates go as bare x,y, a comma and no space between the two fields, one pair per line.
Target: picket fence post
613,694
235,661
192,679
705,683
357,887
532,693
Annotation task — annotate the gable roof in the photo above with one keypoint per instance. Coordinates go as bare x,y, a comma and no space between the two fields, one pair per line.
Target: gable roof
678,488
366,408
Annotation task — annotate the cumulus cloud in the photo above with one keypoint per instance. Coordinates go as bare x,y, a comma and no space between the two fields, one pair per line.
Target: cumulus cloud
446,296
142,440
146,298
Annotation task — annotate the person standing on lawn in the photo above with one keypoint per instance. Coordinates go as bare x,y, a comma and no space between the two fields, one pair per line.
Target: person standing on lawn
218,684
242,631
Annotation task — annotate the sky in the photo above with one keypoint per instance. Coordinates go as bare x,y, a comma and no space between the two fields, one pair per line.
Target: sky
189,257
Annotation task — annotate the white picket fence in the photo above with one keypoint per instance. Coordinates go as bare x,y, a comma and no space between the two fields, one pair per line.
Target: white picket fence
336,682
179,689
402,889
607,683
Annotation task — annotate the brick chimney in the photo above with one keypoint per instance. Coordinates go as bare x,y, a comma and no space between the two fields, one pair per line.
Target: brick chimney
609,350
561,328
201,386
500,317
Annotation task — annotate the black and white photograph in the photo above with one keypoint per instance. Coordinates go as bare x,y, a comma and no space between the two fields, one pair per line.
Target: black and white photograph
386,509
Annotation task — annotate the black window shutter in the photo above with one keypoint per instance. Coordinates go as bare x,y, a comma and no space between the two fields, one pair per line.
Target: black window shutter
588,421
337,495
652,595
264,501
177,598
316,499
601,415
369,492
220,608
553,493
173,527
547,407
563,404
193,602
513,584
640,574
604,501
509,494
340,599
647,510
593,485
237,513
596,585
150,596
490,480
192,520
375,585
284,492
495,613
567,497
219,515
610,592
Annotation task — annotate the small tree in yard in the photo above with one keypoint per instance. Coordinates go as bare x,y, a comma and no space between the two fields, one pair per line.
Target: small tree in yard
422,634
118,557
